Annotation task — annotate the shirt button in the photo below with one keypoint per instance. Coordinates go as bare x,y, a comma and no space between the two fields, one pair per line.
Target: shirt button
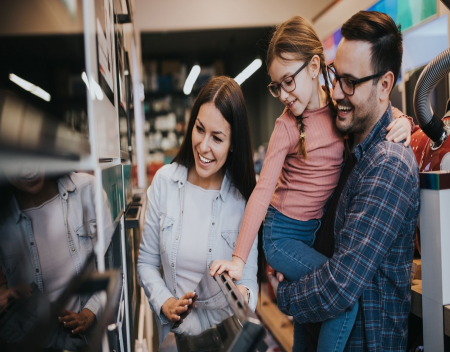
32,243
176,238
181,183
217,198
73,249
173,265
37,270
213,223
234,244
210,250
64,194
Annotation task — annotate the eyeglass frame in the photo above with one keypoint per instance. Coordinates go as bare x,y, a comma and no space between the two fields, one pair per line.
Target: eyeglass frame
354,82
279,85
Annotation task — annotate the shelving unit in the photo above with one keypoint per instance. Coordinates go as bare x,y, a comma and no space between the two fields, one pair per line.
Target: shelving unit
78,128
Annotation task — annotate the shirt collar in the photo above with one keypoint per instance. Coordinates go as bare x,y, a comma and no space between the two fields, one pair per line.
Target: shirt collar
377,134
65,185
180,176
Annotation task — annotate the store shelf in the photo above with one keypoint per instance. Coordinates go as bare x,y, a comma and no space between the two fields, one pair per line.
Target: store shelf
416,298
447,320
416,305
278,323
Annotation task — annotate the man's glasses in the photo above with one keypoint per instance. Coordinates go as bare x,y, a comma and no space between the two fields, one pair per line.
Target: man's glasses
287,84
348,85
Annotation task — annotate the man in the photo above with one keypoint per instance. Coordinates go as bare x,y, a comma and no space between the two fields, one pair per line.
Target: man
373,213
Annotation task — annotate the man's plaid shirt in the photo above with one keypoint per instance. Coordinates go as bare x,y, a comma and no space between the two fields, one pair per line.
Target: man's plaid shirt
374,243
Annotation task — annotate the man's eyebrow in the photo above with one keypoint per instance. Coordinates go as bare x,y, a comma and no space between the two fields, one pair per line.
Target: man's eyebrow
213,132
348,75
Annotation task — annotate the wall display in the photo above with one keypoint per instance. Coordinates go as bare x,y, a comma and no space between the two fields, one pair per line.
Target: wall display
121,71
404,12
124,11
105,35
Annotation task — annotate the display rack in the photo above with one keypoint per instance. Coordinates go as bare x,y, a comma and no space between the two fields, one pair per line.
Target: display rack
89,95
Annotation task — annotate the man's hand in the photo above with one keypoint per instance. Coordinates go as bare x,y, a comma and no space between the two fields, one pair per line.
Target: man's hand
275,281
77,323
176,310
234,268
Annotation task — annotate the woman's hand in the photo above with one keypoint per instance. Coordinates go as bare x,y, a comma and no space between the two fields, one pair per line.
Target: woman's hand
399,129
8,295
243,291
234,268
77,323
173,309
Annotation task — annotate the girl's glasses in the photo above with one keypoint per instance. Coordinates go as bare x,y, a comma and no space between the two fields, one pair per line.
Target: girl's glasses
287,84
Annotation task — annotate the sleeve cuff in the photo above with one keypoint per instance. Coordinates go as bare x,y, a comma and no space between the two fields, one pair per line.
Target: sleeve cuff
94,305
281,297
157,303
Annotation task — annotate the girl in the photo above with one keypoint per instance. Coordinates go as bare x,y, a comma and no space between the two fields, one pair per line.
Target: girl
301,169
195,208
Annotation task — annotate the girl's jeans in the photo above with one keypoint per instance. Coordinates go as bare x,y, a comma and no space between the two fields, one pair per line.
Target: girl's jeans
287,245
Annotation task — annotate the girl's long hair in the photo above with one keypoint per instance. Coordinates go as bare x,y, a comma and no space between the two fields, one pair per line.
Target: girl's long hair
298,38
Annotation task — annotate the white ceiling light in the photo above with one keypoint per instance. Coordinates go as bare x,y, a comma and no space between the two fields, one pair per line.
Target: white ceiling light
85,79
251,69
191,79
30,87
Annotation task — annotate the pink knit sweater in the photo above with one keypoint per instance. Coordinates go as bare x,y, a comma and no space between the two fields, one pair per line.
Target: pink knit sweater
296,187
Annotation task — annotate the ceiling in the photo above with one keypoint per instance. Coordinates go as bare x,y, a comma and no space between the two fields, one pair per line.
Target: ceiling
25,17
201,43
178,15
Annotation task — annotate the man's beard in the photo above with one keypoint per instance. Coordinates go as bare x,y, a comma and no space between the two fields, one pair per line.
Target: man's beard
362,116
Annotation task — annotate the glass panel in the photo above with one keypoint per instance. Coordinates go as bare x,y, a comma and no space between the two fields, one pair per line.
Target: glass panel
48,231
43,101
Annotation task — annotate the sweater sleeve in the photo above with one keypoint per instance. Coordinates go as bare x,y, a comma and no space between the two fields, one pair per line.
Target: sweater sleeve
259,201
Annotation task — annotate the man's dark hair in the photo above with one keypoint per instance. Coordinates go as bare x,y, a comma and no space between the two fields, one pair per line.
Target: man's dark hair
380,30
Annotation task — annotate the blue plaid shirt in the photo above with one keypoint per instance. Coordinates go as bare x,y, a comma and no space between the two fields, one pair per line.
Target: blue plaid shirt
374,244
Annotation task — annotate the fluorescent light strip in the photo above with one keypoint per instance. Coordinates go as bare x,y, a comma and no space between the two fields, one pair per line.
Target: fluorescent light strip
251,69
30,87
85,79
195,71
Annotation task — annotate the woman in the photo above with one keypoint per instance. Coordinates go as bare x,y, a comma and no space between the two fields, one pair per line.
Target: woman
48,229
195,209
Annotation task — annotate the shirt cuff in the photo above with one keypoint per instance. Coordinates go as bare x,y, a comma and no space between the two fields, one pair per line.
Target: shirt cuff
157,304
281,297
94,305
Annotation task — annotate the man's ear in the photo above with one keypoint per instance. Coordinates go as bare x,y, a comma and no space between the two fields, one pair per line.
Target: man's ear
385,85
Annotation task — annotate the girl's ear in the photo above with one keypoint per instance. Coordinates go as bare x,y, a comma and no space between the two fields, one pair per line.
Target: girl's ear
314,66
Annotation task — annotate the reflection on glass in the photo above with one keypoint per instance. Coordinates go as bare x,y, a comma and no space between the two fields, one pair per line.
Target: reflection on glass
43,98
48,229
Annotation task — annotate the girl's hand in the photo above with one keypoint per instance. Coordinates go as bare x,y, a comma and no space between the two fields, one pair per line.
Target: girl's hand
234,268
173,308
77,323
399,129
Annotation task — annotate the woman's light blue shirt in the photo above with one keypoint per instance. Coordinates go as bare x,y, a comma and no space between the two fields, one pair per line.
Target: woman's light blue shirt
162,234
